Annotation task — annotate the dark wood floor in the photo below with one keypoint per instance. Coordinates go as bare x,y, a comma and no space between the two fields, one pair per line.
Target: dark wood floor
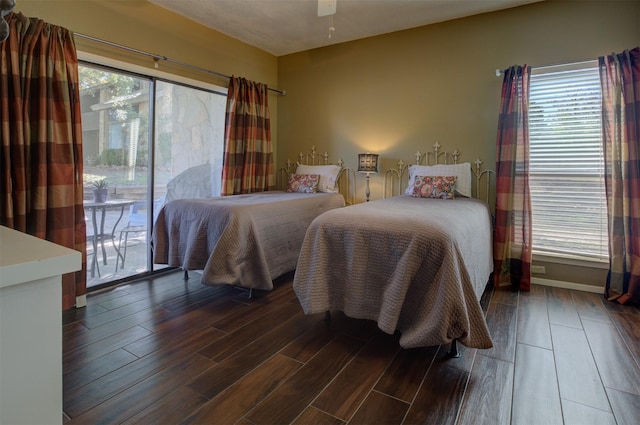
162,351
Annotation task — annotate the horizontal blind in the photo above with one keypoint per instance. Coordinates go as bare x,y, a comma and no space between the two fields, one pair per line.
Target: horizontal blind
566,163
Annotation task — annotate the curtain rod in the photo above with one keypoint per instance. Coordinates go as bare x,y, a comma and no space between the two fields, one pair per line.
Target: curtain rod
499,72
156,58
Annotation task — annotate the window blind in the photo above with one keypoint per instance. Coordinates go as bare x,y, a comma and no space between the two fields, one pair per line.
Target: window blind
566,163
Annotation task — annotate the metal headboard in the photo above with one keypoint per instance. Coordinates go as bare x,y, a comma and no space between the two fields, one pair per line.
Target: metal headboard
396,176
346,178
396,179
489,177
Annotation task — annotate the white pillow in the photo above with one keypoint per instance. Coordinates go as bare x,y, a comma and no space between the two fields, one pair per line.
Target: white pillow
328,175
461,171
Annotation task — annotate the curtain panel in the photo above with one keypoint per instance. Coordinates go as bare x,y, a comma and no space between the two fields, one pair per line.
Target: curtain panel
248,153
41,157
620,81
512,250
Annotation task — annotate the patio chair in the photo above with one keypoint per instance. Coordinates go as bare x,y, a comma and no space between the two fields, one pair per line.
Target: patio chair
136,223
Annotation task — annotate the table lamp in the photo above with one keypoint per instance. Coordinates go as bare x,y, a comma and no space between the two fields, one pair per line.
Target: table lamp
368,163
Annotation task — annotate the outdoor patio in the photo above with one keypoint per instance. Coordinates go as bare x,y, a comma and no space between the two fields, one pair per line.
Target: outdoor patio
136,249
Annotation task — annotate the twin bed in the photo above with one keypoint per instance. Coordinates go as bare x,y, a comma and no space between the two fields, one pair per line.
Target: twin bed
417,262
249,240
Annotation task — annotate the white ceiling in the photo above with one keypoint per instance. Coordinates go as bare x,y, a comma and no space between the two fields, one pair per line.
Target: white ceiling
282,27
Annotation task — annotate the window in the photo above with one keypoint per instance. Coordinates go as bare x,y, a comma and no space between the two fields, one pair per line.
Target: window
566,162
141,134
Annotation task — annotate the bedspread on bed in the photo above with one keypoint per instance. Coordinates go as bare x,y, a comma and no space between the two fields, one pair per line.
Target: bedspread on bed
411,264
244,240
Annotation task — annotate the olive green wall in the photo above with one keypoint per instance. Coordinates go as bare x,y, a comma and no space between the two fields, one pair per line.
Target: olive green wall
399,92
149,28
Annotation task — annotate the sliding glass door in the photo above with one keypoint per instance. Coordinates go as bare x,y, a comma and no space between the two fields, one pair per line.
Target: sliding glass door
145,141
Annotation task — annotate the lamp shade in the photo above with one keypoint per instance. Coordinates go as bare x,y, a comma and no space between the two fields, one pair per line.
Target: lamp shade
368,163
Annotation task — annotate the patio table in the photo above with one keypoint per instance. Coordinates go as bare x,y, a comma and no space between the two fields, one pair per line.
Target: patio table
99,235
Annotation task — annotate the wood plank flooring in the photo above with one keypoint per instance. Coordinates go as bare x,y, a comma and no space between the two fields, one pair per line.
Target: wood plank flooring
168,351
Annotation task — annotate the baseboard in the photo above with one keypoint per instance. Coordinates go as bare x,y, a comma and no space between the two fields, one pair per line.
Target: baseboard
81,301
568,285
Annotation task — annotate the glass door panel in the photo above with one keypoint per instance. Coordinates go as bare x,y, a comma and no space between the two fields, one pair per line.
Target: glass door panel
189,143
115,137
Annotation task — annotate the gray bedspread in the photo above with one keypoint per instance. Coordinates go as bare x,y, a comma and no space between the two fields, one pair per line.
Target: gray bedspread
415,265
244,240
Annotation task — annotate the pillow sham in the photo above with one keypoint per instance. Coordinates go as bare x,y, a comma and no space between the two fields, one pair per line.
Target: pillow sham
328,175
461,171
438,187
303,183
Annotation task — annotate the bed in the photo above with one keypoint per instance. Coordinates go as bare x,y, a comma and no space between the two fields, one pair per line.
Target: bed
414,264
247,240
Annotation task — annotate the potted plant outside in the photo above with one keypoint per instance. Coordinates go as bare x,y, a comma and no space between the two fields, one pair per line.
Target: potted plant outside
100,191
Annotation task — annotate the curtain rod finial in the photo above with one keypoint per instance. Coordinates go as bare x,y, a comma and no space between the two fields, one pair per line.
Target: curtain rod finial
498,72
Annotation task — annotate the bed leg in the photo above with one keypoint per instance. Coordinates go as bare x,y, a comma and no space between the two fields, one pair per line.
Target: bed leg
250,293
453,352
327,316
186,275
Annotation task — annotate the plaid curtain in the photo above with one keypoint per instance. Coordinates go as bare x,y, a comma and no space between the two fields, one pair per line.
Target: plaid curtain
41,156
513,233
620,80
248,154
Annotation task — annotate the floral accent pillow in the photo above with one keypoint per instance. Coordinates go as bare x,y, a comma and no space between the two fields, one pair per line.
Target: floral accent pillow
303,183
439,187
461,171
